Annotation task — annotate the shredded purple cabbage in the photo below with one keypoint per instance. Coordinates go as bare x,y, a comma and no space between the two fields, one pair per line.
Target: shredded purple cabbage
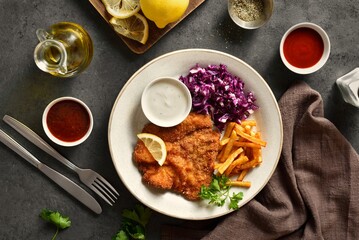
217,92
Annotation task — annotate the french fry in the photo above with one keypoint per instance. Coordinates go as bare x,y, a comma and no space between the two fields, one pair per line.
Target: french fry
258,135
235,163
237,170
243,159
217,165
220,154
249,122
239,131
240,151
248,130
229,160
245,184
248,165
242,175
226,135
257,154
228,147
246,144
231,170
228,130
224,141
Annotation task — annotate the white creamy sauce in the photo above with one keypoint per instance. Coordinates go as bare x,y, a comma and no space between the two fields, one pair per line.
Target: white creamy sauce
166,102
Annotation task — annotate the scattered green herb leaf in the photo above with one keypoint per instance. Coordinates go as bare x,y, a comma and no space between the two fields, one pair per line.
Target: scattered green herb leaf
218,192
61,222
234,200
121,235
134,223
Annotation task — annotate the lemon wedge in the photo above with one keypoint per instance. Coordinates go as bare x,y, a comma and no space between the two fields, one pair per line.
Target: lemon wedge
122,8
134,27
155,145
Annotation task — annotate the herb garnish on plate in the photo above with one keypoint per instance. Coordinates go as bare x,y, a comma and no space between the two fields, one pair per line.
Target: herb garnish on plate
218,192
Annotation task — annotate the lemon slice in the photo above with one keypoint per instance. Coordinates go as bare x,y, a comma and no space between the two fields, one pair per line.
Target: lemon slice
155,145
122,8
134,27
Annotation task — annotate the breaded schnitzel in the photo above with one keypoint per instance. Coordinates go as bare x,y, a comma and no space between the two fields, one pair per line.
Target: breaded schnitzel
192,147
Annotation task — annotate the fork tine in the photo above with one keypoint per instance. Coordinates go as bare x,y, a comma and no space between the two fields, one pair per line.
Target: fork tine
108,184
100,194
104,188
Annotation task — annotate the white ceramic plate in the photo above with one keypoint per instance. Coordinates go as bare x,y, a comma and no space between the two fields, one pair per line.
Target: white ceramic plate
127,120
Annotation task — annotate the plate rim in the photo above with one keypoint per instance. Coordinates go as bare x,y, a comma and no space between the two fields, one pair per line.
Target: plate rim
134,75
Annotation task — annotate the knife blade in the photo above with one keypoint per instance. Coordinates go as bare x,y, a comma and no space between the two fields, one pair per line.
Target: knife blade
64,182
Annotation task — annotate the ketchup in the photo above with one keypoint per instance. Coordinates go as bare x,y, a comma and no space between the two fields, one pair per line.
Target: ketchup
68,120
303,47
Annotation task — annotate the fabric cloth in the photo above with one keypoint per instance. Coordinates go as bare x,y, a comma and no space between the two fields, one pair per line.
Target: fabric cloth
314,191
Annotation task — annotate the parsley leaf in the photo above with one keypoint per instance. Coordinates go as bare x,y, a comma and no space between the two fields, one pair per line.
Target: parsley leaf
61,222
140,214
218,192
134,223
121,235
234,199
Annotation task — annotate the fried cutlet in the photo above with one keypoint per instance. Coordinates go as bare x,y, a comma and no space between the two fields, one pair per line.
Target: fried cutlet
192,147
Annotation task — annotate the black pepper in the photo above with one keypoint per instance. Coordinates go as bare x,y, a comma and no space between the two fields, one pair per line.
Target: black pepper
248,10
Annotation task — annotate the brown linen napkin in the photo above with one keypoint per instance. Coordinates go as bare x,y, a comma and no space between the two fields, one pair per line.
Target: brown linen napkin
314,192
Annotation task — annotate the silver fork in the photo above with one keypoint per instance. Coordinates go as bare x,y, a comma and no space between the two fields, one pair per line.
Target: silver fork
89,177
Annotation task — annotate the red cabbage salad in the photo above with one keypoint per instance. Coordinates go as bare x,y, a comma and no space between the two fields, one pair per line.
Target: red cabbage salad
221,94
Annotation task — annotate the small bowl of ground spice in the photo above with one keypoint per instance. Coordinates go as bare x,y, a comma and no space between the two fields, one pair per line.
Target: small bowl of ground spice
250,14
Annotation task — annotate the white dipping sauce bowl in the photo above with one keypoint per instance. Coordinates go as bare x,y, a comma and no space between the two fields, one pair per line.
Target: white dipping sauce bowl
67,124
166,101
322,60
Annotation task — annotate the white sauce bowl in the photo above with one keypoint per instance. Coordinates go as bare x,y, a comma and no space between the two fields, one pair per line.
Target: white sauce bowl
166,101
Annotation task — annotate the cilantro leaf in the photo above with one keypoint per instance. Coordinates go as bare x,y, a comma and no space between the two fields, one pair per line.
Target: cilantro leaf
61,222
218,192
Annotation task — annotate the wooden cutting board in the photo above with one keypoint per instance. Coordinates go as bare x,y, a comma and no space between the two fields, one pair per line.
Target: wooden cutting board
154,33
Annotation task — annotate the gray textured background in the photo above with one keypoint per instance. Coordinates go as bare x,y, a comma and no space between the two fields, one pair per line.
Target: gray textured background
25,91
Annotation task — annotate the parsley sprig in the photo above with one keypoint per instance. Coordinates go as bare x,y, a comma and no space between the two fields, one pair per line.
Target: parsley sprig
218,192
134,223
54,217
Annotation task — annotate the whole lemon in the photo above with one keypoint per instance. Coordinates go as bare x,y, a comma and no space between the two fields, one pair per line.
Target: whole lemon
163,12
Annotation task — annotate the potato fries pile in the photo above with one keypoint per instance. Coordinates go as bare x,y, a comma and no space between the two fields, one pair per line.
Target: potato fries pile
240,151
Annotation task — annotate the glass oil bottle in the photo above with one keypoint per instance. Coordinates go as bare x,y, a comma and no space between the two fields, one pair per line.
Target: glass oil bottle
65,49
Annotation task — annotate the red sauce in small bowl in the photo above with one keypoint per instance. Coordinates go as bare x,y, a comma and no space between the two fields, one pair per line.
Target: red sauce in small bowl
303,47
68,120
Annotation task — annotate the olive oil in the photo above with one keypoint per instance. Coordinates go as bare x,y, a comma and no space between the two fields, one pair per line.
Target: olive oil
65,49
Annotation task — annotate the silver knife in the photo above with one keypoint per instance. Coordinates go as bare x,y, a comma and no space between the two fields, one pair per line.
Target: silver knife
68,185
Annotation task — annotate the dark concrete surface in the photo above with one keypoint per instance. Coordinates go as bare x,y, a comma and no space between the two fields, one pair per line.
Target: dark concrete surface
25,91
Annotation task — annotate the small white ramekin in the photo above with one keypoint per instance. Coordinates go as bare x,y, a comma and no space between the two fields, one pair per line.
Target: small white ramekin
157,116
59,141
267,14
324,57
